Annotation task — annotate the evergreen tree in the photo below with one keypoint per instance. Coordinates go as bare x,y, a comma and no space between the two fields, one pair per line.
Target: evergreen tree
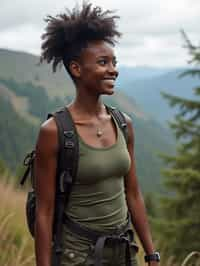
179,227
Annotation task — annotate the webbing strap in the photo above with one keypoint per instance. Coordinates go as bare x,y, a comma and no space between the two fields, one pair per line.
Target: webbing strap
101,242
66,173
121,120
124,234
69,148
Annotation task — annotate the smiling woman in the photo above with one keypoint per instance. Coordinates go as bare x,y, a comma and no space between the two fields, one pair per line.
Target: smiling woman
98,68
105,196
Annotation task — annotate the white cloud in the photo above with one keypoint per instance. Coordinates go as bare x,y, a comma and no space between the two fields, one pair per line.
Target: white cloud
151,28
22,38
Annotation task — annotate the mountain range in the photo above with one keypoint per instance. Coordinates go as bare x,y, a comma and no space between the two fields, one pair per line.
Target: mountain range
147,90
29,91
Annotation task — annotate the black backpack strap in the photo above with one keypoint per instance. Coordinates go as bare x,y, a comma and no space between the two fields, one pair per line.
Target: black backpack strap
69,149
66,173
121,120
28,162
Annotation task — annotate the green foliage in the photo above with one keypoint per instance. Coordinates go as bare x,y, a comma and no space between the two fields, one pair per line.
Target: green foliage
17,136
151,204
180,223
39,102
3,167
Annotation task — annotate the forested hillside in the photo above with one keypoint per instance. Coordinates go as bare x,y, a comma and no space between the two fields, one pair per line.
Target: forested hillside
25,105
16,134
24,67
39,104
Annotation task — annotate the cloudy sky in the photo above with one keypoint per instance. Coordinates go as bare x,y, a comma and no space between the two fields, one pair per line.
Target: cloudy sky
151,28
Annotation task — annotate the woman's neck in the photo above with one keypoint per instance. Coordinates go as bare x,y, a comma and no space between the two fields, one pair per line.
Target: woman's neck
88,105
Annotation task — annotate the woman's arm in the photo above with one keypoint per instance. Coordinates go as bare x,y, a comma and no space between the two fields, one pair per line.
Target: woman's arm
45,172
135,200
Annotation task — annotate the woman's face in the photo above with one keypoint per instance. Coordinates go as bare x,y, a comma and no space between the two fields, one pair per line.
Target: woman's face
98,68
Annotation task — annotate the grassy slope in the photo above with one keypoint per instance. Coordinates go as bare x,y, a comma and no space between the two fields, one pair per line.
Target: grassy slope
19,103
23,67
16,246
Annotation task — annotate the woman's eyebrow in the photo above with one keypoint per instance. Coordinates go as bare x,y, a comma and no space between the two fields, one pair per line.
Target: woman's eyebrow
106,56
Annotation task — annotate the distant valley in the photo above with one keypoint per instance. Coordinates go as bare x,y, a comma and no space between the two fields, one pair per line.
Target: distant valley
146,85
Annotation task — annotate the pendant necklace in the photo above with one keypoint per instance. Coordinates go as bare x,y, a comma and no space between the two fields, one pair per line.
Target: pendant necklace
99,132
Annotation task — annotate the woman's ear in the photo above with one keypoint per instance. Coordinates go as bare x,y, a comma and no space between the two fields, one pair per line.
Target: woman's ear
75,69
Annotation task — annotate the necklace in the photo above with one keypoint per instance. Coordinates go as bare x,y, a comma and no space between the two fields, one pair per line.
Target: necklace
99,132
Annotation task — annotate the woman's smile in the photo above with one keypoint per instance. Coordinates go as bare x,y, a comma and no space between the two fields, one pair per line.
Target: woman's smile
109,82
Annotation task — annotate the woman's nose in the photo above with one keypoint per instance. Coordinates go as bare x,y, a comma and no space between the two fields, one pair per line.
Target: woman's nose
113,70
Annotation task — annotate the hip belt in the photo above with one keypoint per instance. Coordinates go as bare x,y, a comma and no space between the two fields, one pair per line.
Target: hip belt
122,234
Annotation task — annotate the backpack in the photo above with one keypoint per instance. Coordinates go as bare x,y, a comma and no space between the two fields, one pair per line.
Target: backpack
67,165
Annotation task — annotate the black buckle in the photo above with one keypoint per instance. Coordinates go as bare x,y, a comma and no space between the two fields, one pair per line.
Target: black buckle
29,158
123,124
69,144
65,178
69,133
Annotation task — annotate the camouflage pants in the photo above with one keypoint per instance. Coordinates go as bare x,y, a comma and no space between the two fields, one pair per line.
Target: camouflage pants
79,251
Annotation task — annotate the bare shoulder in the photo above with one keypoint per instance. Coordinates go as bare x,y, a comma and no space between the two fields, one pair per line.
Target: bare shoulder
49,126
128,119
48,135
130,128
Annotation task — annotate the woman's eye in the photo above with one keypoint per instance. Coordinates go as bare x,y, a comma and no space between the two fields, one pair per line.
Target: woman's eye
102,62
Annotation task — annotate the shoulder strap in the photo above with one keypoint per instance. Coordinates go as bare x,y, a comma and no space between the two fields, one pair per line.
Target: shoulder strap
68,149
66,172
121,120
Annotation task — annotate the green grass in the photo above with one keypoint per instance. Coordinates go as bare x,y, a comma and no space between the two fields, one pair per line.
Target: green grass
16,244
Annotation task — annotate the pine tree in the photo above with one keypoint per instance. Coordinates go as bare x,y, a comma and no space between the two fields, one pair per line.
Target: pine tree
179,227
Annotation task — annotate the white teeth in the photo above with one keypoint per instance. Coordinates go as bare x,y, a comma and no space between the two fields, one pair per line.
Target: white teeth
109,81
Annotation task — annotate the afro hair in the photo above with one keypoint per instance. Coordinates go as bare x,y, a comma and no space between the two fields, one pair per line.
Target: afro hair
67,34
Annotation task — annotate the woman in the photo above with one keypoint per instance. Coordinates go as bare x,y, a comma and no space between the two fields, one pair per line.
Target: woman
106,186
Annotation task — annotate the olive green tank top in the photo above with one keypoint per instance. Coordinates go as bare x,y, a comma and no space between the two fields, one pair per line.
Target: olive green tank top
97,199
